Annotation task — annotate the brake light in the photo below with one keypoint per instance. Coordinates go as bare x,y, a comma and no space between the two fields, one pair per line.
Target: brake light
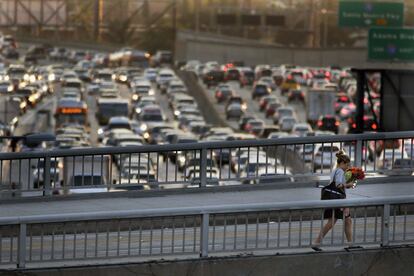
320,123
343,99
248,127
353,125
336,105
336,123
374,126
219,94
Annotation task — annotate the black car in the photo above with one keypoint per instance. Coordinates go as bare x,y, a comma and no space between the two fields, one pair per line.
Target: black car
10,53
328,123
369,124
260,90
213,77
296,94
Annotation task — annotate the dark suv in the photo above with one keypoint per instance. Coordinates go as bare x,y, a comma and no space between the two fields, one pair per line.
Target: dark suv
328,123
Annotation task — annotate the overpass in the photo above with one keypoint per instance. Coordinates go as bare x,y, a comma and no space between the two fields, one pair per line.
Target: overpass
51,226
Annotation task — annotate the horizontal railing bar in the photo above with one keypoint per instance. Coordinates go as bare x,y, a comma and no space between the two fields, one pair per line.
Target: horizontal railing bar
217,209
207,145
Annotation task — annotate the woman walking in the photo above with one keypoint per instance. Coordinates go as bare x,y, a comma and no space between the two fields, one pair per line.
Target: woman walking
338,176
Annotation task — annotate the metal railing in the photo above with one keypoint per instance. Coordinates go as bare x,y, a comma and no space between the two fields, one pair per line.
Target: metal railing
77,239
200,164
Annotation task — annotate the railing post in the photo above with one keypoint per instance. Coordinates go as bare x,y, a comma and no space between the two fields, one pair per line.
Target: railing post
203,167
46,178
21,249
358,153
205,221
385,226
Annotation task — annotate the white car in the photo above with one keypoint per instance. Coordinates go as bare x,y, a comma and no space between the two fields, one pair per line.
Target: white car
325,156
287,123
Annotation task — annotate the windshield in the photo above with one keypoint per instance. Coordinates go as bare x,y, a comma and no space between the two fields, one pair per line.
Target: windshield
151,117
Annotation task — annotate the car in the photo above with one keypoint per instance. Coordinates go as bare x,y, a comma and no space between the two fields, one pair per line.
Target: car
324,156
254,126
347,111
287,123
296,95
328,123
235,99
244,119
246,77
369,124
10,53
301,129
342,99
162,57
271,108
283,112
232,74
289,84
264,101
224,93
235,111
260,89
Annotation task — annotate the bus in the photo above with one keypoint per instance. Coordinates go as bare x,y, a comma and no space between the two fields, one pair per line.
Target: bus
111,107
70,111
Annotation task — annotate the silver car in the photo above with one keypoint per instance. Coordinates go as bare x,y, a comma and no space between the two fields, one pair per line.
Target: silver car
234,110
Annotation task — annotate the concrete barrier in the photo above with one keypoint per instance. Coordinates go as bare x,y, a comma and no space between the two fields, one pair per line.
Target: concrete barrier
212,47
382,261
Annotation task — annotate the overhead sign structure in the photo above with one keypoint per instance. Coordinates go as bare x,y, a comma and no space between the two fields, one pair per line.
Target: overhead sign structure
392,44
370,14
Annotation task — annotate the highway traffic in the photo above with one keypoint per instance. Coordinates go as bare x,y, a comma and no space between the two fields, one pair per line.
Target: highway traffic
129,99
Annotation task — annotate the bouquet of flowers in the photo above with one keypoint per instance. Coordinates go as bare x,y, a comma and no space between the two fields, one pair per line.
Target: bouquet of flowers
353,174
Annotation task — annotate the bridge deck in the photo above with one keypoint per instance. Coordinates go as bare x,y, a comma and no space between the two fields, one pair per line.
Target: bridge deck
65,206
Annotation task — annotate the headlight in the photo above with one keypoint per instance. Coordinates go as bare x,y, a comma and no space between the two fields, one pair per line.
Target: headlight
138,110
6,78
177,113
44,88
123,78
143,127
244,106
135,97
146,135
181,159
52,77
113,76
100,131
26,77
10,88
32,78
151,92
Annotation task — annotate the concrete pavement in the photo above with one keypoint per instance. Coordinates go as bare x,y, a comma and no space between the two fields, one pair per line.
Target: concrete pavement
165,201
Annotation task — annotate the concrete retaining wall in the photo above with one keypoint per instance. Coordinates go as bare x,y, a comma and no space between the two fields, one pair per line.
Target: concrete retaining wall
209,47
391,261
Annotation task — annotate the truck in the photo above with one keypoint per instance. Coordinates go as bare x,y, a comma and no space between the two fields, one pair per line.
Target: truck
319,102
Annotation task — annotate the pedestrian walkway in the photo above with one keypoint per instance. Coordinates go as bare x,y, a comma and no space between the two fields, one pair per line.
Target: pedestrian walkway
204,199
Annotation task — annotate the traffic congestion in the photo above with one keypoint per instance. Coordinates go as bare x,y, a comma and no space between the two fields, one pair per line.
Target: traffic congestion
131,98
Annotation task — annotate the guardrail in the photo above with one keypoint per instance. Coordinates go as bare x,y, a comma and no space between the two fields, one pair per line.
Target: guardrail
76,239
200,164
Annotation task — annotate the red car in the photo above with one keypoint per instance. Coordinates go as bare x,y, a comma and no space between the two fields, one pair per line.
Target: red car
271,108
264,101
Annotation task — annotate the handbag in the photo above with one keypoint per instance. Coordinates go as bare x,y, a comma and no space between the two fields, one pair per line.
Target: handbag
331,191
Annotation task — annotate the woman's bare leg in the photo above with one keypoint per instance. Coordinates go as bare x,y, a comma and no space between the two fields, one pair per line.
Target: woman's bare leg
328,226
348,225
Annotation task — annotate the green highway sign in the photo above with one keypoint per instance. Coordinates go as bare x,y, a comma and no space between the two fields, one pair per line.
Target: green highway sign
392,44
370,14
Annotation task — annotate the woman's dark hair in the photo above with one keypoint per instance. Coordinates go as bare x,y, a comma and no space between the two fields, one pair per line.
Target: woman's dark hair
341,157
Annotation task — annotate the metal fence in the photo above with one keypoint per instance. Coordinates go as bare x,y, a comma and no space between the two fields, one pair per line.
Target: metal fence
77,239
200,164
